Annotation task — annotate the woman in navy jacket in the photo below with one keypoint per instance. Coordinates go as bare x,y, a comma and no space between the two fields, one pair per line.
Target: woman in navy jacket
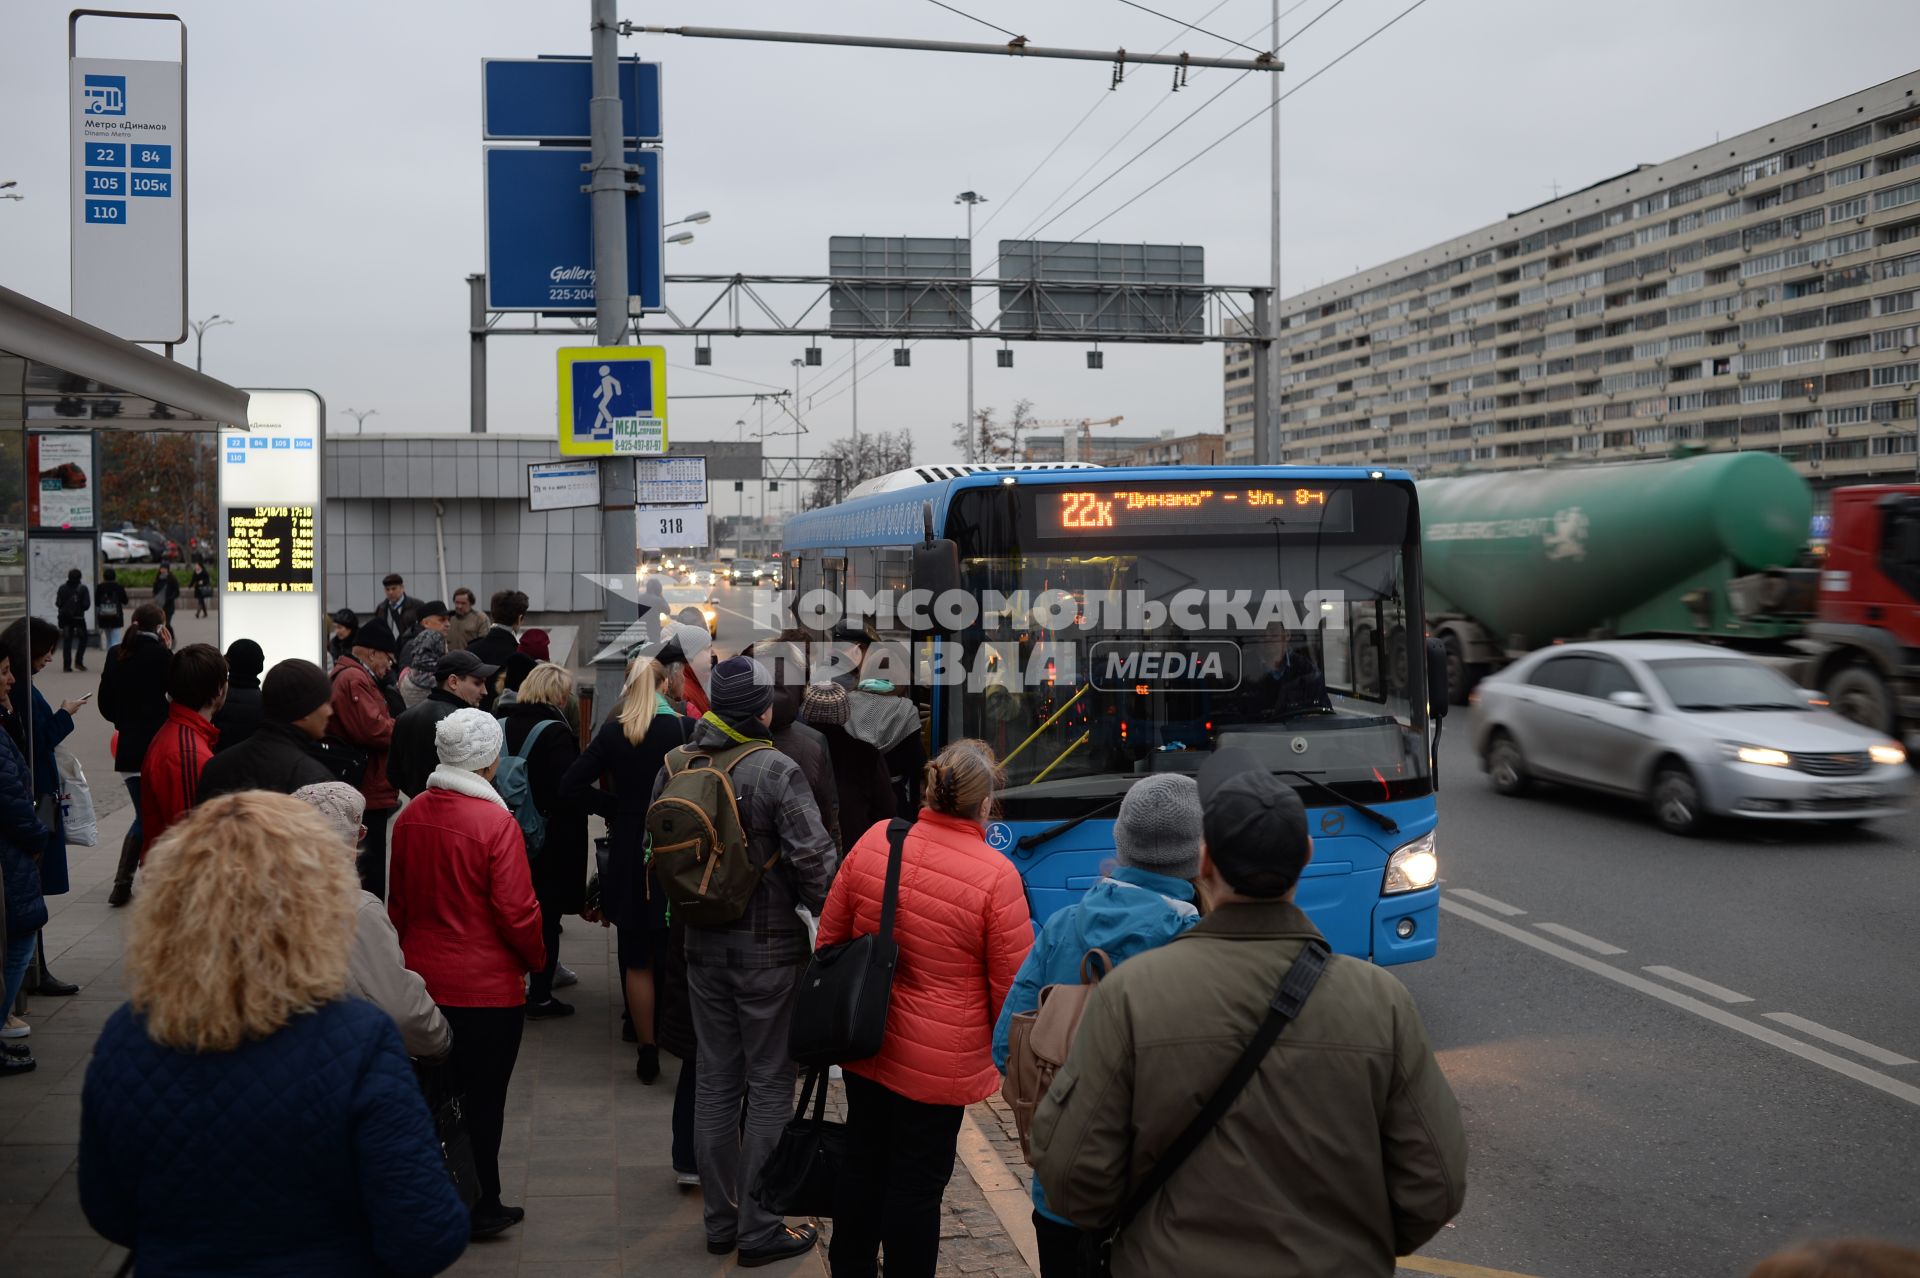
22,839
241,1115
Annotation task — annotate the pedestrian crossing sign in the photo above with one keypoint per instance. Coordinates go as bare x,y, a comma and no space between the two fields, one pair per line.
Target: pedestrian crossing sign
613,401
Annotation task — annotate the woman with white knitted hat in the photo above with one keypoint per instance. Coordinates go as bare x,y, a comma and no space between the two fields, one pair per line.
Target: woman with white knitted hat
461,897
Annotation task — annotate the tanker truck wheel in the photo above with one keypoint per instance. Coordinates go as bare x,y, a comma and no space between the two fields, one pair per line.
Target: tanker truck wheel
1859,693
1676,801
1506,767
1460,676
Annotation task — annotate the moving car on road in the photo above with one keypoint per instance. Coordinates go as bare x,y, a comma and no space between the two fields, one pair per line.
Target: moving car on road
695,606
1698,732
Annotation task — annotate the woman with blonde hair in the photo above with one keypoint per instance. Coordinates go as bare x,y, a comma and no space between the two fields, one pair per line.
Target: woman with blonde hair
625,755
1841,1258
961,923
539,724
238,1047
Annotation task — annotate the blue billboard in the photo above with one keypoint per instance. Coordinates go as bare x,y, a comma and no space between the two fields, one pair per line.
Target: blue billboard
545,99
539,231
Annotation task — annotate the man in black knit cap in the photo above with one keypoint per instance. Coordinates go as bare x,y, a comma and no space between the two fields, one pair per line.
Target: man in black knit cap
296,701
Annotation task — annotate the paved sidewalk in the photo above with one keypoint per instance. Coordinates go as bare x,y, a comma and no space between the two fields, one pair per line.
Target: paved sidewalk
586,1148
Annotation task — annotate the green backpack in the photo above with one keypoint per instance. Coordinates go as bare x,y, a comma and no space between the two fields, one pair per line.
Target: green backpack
697,842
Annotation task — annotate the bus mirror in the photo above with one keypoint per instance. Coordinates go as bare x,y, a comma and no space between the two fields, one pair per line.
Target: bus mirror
1438,694
936,566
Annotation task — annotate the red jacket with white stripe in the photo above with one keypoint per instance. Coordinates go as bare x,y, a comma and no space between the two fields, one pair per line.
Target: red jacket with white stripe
170,774
963,929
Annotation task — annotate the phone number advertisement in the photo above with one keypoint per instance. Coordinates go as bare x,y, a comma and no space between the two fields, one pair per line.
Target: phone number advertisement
270,549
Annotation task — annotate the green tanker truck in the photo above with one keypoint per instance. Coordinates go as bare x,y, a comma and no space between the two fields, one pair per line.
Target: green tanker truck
1700,548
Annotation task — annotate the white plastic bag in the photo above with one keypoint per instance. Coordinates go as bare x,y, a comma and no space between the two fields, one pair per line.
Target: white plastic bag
76,800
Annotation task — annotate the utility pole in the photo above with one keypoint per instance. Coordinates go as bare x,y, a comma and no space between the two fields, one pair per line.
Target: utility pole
797,365
970,198
477,354
856,407
1266,442
608,193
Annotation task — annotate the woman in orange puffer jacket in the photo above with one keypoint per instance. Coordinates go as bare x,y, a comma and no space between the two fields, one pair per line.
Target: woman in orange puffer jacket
963,929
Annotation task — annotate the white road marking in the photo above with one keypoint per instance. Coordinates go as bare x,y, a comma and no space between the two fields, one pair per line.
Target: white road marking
1708,988
1687,1003
1486,902
1581,939
1857,1046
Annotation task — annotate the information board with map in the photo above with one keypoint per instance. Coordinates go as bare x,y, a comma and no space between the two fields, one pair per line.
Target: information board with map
270,549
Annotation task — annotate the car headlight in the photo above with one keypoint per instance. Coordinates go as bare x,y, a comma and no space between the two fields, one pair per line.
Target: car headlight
1412,866
1766,756
1890,752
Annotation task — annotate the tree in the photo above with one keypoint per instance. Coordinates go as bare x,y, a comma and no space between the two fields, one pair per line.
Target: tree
992,441
842,467
159,479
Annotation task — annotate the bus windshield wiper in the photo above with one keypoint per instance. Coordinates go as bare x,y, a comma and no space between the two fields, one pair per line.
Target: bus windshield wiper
1028,842
1384,821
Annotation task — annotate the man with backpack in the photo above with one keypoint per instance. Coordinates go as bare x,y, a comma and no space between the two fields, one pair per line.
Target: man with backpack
72,602
1345,1134
745,946
1144,902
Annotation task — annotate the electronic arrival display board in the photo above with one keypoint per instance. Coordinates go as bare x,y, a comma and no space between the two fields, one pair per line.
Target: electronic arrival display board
1195,510
270,549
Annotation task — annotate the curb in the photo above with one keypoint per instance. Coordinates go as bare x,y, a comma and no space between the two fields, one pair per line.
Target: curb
1001,1188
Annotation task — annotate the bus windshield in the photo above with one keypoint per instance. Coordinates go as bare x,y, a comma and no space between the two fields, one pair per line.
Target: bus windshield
1183,620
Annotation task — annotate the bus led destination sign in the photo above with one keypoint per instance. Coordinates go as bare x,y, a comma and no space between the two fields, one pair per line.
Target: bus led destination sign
270,549
1197,511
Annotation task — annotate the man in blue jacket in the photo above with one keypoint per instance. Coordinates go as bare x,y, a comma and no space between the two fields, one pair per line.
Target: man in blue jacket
1145,902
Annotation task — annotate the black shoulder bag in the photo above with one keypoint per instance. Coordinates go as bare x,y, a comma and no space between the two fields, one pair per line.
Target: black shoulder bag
1299,981
841,1012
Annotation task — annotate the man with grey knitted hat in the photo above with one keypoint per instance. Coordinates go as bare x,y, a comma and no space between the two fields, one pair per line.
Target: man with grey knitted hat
741,976
1145,901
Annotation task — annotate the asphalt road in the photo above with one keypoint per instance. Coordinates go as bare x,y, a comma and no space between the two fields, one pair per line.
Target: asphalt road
1632,1122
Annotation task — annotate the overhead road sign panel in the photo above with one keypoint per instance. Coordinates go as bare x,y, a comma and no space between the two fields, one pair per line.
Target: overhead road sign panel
539,231
1100,290
545,99
613,401
889,308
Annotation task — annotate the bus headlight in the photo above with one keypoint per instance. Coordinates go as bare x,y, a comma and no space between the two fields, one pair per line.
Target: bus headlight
1412,866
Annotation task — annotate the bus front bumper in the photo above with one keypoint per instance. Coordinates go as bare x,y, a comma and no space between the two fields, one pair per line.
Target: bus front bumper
1406,927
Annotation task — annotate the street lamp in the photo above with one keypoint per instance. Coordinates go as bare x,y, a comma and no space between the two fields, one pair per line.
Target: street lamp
701,216
9,194
200,328
969,198
360,416
681,237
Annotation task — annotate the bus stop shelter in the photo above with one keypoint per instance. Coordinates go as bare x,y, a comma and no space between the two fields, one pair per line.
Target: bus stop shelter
58,374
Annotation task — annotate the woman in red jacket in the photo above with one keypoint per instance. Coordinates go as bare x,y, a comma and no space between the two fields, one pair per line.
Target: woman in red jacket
461,898
963,929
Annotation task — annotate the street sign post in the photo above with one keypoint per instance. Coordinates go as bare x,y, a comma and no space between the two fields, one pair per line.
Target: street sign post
545,99
539,231
613,401
127,141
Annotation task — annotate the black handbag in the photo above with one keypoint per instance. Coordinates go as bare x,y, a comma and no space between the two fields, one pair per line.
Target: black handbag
1301,977
450,1130
347,761
841,1012
802,1173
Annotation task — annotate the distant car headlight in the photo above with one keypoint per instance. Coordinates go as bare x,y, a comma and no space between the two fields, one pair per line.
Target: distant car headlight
1766,756
1888,753
1412,866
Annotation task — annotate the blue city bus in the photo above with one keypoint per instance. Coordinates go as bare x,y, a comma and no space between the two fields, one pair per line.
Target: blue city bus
1133,620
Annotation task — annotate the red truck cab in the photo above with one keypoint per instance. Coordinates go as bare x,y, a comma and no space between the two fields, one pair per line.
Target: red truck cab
1867,629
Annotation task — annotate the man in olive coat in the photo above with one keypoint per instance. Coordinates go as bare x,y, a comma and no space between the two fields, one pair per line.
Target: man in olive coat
1345,1150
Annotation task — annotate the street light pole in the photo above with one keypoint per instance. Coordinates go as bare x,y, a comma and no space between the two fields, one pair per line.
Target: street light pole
360,416
1269,430
969,198
797,364
200,328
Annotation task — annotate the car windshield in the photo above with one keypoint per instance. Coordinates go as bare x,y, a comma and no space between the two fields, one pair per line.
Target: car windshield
1707,685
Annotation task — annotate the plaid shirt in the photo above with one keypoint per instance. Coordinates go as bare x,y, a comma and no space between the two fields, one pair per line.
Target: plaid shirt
779,812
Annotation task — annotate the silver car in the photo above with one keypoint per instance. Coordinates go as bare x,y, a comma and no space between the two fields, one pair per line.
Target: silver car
1698,732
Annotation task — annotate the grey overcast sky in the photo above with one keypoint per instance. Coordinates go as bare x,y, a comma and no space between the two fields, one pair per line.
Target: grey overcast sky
336,177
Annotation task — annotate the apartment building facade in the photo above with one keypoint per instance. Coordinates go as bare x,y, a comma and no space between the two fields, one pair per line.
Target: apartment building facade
1202,448
1237,415
1759,293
